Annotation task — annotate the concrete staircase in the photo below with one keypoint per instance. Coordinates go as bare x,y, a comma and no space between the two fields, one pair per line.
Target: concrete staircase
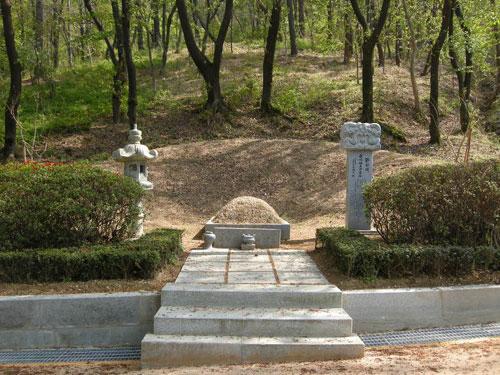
233,307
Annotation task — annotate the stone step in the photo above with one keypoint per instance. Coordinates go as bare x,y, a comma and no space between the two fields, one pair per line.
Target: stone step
238,321
172,350
243,295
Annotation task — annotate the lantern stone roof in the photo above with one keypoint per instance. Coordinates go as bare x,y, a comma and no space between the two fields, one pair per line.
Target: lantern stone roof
134,151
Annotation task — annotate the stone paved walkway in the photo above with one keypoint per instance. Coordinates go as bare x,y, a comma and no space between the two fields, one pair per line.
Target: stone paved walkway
224,266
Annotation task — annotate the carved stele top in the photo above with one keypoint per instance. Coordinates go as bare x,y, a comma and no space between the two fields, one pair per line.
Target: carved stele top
360,136
134,151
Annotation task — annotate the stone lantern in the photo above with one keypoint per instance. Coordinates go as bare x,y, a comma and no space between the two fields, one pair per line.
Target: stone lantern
135,156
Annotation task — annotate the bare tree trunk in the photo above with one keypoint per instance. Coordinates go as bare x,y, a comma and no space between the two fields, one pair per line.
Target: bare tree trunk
167,27
210,70
464,76
302,19
496,31
399,37
291,26
329,16
39,30
15,68
349,39
370,40
435,136
57,7
268,65
413,47
156,35
132,79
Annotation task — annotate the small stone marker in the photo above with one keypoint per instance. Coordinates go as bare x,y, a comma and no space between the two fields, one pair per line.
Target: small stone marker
360,140
135,156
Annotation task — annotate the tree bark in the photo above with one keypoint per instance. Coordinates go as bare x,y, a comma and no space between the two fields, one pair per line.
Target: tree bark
369,42
329,21
167,27
156,35
132,79
381,55
435,136
39,30
413,47
302,19
496,31
349,39
399,38
464,76
120,76
210,70
15,68
268,65
57,7
291,27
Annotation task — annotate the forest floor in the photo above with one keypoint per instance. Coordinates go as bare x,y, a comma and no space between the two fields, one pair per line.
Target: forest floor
468,357
295,165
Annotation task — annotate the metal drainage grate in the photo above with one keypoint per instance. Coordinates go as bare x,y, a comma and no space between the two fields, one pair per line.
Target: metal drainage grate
431,335
71,355
421,336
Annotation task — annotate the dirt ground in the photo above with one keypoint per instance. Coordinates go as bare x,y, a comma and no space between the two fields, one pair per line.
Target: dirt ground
469,357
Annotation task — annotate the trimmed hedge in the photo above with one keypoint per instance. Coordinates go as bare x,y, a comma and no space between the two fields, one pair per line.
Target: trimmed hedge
47,205
441,204
139,259
357,256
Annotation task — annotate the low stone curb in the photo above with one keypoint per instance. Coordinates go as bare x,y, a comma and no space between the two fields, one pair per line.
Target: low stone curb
380,310
122,319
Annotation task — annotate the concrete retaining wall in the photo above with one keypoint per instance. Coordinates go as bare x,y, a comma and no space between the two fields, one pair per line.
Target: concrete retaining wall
122,319
379,310
78,320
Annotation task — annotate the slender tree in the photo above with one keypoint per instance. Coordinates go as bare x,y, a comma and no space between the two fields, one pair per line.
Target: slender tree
166,30
268,65
370,39
435,136
132,78
464,75
210,70
413,52
348,40
15,68
496,33
117,58
302,18
39,33
291,26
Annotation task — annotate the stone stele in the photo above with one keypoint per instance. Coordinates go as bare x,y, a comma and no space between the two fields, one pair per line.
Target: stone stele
360,140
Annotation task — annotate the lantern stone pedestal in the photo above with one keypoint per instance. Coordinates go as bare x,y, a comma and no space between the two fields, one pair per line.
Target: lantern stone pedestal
135,156
360,140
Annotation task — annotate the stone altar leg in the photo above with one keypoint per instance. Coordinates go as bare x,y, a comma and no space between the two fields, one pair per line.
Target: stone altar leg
360,141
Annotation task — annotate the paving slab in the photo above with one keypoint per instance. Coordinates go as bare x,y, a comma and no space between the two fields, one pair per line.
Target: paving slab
205,266
250,267
251,278
200,277
298,277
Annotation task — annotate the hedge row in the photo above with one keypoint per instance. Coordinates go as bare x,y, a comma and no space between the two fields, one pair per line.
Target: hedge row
47,205
440,204
357,256
139,259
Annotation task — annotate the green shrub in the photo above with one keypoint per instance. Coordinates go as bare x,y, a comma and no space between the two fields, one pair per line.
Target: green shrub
355,255
443,204
50,206
139,259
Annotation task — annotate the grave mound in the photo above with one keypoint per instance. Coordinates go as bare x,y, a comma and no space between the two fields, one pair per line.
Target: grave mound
247,210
